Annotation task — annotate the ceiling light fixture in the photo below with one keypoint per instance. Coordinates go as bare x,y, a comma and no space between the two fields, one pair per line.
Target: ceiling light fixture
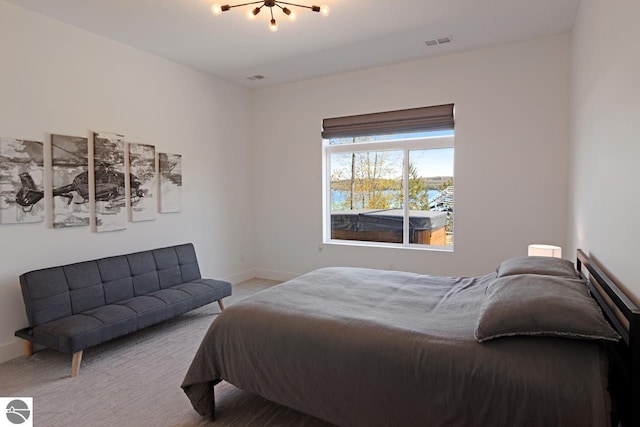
323,10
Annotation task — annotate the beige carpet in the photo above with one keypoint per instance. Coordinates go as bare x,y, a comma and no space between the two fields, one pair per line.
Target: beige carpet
135,380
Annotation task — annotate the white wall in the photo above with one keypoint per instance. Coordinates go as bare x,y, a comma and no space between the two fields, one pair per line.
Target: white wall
512,151
56,78
605,108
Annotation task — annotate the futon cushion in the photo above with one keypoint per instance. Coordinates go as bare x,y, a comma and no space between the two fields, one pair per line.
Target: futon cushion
202,292
77,332
58,333
144,273
111,313
194,288
46,295
85,286
170,296
143,303
150,310
116,279
168,267
188,263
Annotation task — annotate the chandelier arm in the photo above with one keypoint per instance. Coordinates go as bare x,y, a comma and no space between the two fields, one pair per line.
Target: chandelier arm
294,4
281,8
246,4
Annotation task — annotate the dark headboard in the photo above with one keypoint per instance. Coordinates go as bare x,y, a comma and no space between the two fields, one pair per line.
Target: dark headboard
624,378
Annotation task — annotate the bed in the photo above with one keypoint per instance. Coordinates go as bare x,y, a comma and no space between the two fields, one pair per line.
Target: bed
362,347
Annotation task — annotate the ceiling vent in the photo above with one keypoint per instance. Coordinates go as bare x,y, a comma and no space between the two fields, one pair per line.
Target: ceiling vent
438,40
256,77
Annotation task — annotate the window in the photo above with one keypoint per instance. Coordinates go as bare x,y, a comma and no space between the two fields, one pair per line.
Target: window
370,175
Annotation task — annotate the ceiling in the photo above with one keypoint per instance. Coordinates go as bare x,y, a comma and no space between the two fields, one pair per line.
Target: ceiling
358,34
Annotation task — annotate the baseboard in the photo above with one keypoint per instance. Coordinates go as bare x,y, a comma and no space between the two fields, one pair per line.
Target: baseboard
11,350
281,276
240,277
260,273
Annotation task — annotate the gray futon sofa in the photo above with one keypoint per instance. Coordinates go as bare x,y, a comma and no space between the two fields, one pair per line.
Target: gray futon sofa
76,306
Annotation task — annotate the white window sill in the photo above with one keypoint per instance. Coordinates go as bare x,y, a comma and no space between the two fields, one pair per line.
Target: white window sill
410,246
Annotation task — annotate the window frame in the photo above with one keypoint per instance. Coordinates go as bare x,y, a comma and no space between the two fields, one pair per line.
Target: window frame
405,145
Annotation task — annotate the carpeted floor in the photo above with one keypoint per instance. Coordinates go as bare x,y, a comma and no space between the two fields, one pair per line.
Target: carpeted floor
135,381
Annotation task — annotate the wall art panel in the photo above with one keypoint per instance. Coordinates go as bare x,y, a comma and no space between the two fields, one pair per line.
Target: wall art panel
142,167
170,182
21,179
70,177
110,187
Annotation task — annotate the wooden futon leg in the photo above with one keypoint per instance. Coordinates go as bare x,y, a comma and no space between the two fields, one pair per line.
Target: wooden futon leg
75,363
221,304
28,348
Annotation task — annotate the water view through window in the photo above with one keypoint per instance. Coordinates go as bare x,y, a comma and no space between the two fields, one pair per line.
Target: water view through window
370,179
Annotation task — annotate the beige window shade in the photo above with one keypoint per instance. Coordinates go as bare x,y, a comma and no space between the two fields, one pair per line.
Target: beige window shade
439,117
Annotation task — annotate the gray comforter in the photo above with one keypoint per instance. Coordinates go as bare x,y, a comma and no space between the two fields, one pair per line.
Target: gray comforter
361,347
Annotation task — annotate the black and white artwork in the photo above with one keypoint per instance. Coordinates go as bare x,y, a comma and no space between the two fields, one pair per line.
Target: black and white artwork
142,167
170,166
70,179
21,179
110,187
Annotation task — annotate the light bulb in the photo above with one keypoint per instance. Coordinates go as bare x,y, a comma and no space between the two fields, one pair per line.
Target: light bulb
251,13
216,9
324,10
290,13
273,26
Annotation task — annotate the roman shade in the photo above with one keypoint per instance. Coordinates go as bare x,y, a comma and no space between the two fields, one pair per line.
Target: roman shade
439,117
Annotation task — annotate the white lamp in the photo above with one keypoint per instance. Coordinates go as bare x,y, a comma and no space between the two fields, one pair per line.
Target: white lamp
545,250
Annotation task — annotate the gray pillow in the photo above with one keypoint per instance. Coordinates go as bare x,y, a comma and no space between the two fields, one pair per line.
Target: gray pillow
537,265
531,304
